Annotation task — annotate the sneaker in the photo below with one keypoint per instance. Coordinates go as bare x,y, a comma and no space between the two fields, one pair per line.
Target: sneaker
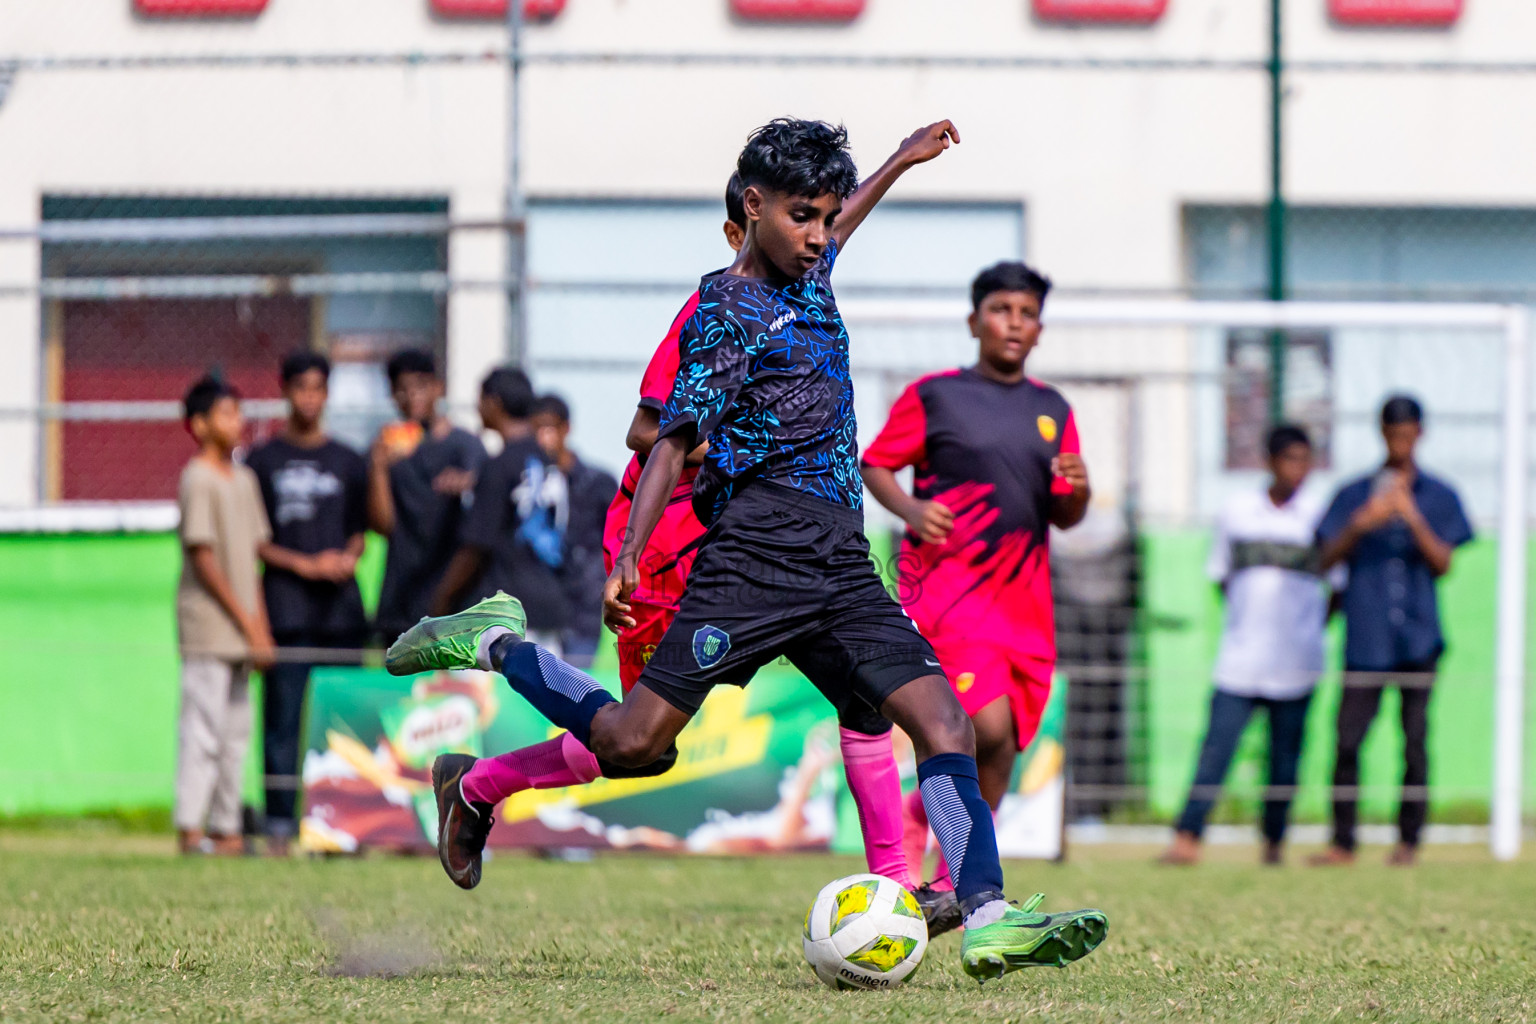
453,641
462,827
941,909
1024,938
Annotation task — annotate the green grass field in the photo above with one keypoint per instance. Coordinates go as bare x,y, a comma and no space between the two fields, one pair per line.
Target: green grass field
102,928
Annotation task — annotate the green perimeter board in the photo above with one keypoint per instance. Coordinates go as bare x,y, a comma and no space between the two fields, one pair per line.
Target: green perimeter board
88,686
90,678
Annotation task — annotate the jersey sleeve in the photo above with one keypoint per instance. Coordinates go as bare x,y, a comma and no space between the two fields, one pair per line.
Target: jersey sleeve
903,441
661,371
195,496
1450,521
1070,445
713,357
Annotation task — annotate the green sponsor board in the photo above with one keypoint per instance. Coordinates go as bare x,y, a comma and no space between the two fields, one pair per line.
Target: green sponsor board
89,682
757,771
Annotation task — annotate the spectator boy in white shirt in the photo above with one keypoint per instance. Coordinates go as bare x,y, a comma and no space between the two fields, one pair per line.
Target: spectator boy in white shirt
1266,563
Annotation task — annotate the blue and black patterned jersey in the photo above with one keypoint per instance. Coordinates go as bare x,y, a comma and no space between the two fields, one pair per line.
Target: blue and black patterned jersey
763,375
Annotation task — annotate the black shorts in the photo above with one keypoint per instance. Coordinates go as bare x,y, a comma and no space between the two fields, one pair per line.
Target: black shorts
786,574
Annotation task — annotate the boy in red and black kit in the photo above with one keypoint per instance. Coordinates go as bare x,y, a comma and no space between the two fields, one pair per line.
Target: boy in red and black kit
996,464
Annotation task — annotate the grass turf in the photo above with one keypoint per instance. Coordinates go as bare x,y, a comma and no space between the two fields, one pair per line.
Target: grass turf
113,929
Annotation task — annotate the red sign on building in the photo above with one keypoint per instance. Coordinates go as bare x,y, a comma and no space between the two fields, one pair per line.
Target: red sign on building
797,10
1139,12
534,10
1425,13
200,8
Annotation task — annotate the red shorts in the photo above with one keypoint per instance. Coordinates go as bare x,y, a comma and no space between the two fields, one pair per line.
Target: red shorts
980,673
667,559
637,645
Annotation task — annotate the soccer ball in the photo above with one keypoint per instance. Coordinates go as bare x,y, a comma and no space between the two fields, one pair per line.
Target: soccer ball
864,931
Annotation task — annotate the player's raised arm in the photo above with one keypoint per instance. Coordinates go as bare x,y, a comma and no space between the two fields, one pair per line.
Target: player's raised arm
918,148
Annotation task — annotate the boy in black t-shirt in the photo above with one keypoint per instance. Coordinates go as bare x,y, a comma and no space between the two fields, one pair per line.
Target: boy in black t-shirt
589,492
315,492
513,534
420,471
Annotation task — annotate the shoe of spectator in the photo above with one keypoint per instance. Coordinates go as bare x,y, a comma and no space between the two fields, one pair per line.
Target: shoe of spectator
1273,854
1185,851
227,846
192,842
1334,856
1403,856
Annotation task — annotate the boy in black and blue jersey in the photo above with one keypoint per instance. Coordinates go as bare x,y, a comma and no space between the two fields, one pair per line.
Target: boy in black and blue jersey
785,568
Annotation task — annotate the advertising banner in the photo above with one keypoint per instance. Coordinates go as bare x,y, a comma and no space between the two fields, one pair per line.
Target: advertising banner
758,771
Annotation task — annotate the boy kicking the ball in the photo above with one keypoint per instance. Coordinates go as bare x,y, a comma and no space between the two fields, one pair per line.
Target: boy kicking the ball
996,464
864,736
785,569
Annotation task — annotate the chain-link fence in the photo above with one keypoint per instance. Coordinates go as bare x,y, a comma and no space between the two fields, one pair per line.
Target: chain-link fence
125,292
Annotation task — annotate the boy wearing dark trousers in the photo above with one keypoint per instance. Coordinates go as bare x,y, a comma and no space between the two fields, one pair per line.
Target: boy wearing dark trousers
1395,530
315,490
1266,563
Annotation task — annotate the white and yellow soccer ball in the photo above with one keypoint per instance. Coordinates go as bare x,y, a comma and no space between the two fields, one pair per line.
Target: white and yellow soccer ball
865,931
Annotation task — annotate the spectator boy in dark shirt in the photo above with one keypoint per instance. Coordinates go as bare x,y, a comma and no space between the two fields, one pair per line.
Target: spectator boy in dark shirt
588,491
512,536
420,471
1395,530
315,490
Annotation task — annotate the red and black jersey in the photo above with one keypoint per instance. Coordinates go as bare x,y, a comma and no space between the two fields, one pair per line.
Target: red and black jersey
983,449
667,559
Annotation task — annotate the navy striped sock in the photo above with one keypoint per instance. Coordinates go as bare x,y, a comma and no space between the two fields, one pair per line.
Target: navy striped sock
962,821
567,696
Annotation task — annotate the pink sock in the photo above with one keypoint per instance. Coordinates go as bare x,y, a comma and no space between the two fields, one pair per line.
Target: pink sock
941,874
562,761
876,787
914,833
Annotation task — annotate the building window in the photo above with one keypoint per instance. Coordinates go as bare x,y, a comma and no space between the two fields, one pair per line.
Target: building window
1308,393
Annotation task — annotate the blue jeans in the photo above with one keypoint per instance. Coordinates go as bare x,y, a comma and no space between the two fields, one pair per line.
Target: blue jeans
1229,717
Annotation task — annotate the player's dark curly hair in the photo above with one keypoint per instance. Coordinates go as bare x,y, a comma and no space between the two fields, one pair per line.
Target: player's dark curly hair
1009,276
735,211
799,158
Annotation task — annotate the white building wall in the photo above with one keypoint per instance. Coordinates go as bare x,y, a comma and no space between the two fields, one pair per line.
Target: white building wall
1103,160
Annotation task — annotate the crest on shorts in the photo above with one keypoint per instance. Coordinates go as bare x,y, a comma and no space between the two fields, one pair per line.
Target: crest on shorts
710,644
1047,428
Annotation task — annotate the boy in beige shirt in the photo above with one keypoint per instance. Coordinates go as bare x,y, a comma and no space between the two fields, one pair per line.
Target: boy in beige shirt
220,618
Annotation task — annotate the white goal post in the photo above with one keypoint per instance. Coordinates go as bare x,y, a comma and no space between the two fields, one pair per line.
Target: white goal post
1511,322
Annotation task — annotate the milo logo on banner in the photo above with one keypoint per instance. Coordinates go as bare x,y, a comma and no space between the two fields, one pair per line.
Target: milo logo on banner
420,729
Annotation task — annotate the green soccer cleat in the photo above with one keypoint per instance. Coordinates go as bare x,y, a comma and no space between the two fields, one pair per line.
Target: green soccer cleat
1024,938
452,641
